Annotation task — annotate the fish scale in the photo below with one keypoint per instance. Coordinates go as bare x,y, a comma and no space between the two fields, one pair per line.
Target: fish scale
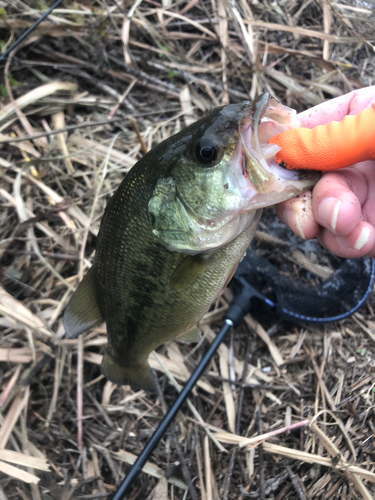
173,234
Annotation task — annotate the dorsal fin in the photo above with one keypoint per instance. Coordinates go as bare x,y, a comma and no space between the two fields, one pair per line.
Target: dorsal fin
83,310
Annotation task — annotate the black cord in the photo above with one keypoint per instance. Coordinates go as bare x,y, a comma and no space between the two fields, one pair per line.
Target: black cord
30,30
312,319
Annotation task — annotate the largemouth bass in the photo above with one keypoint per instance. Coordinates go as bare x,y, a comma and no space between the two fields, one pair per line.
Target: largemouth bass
175,230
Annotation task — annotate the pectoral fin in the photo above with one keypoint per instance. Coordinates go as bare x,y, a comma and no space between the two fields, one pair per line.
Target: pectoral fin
83,310
189,270
193,336
136,376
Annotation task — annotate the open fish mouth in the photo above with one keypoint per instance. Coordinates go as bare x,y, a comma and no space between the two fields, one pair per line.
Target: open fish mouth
269,180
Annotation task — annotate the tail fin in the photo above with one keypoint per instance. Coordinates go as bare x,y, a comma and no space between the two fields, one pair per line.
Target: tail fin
83,310
139,377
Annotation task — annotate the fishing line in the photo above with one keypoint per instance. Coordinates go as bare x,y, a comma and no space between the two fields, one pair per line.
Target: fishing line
329,319
30,30
333,299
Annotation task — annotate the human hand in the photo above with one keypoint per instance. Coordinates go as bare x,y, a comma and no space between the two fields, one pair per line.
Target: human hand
340,211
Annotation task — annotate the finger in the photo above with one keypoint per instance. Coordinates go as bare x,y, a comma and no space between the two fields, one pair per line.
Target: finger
361,241
337,201
336,109
367,169
298,215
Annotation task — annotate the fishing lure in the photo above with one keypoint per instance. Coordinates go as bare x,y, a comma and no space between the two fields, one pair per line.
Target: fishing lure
328,147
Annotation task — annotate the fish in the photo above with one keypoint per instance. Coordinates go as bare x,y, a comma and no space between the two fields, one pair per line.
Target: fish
175,230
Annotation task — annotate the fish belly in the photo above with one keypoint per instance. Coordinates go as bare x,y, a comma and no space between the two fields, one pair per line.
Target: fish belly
140,309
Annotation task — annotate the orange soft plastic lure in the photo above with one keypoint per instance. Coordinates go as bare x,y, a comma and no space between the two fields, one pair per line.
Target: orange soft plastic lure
329,147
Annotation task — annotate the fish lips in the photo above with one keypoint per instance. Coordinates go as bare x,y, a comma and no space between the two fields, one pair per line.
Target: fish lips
269,181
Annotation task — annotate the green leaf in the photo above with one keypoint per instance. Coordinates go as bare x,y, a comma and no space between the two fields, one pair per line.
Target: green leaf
165,49
41,5
3,90
12,81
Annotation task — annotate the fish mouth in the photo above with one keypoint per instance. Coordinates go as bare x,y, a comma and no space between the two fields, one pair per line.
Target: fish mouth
269,180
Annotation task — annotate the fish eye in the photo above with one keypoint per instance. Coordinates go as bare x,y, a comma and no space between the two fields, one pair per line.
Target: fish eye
206,152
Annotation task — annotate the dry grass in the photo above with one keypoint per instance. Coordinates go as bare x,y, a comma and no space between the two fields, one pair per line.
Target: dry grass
140,72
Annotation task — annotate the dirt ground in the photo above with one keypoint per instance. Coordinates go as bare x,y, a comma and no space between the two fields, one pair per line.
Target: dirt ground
119,77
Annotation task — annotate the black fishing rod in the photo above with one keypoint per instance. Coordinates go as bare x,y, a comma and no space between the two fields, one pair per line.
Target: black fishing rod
30,30
240,306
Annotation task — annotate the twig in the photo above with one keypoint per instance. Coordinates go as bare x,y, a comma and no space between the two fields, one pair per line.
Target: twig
238,422
122,99
139,135
296,484
262,493
143,78
80,392
8,389
68,128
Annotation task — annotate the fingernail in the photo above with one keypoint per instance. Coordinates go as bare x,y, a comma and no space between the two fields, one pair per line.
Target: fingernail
298,224
362,238
329,211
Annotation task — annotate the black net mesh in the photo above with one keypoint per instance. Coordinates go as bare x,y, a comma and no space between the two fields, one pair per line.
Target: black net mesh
304,281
